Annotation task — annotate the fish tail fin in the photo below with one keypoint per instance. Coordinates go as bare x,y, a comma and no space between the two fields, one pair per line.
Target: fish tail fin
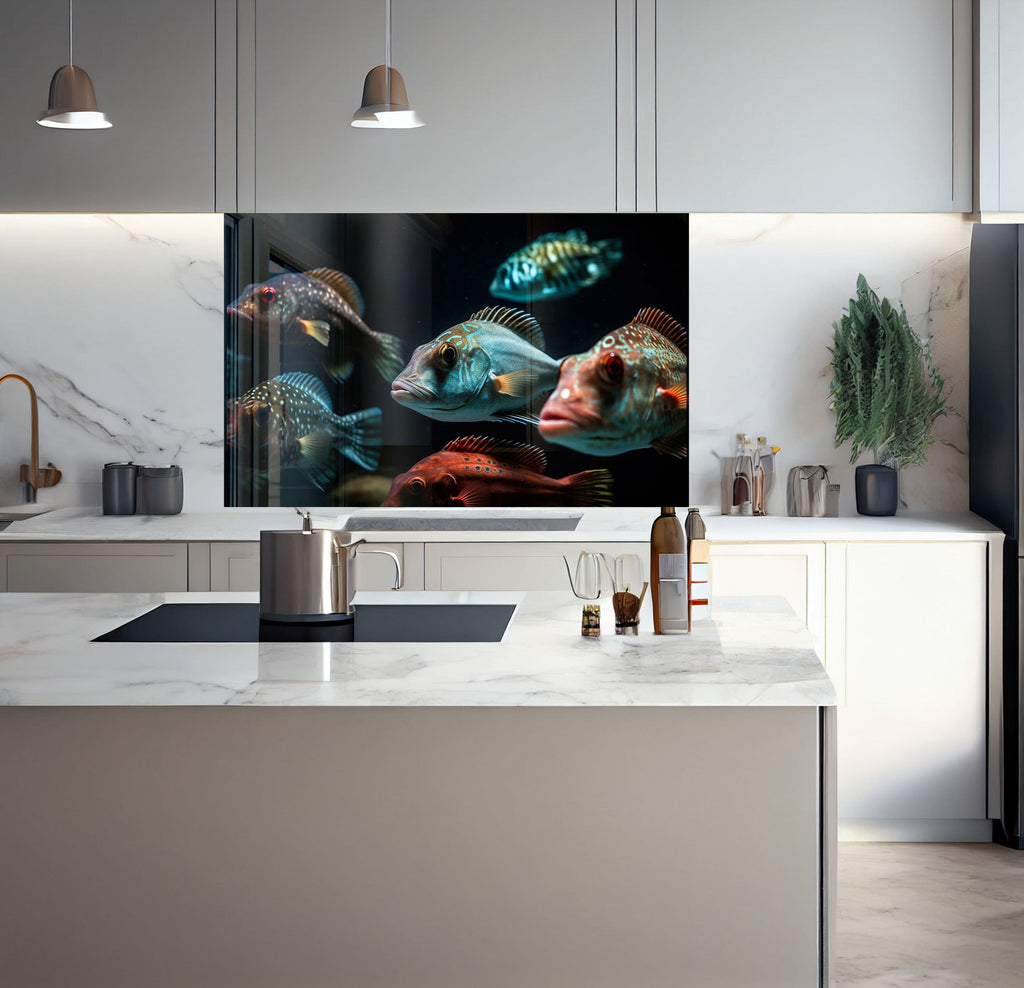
315,457
361,437
386,354
591,488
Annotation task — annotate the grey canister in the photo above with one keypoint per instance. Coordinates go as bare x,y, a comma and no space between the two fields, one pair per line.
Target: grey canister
119,481
160,490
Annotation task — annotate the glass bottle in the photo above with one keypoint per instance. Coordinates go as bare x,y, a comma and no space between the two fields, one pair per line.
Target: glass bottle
668,573
743,477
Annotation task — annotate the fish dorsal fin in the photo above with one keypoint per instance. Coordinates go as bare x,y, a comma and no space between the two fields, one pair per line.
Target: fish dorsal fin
576,235
313,386
527,457
519,322
663,323
342,284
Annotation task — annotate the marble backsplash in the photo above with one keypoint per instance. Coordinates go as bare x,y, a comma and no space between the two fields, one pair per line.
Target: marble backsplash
117,321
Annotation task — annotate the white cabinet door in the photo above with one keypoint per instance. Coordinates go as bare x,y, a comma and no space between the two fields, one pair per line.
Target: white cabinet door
153,69
1000,106
96,567
236,566
800,105
794,571
513,565
519,101
911,736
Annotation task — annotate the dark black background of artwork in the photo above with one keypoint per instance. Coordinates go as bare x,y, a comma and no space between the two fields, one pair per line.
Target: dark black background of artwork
421,274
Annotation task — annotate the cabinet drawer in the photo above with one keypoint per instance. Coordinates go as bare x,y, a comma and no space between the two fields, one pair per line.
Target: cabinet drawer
97,568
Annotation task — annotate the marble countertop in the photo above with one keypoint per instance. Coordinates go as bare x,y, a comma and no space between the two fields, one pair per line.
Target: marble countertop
752,652
595,525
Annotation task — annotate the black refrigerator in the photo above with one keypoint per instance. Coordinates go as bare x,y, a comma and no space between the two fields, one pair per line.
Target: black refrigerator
996,428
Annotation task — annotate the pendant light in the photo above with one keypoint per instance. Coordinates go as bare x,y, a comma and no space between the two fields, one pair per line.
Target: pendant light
385,103
72,104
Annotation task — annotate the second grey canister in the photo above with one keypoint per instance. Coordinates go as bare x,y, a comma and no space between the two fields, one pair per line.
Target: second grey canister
160,490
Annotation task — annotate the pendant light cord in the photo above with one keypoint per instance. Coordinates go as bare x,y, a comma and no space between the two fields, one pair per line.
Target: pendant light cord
71,32
387,52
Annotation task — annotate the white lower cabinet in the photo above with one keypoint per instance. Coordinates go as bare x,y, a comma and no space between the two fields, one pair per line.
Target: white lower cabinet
912,732
236,566
513,565
792,570
94,567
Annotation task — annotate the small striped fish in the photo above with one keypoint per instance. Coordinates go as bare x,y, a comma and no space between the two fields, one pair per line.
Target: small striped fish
554,266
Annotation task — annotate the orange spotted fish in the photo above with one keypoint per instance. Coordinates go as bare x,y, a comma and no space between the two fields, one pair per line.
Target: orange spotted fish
292,413
314,305
554,266
477,471
628,391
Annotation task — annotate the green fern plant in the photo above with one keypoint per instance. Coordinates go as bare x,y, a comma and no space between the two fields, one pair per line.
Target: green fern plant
886,391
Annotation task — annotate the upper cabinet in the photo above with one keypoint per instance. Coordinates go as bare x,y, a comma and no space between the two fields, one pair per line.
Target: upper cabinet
153,69
799,105
999,106
519,101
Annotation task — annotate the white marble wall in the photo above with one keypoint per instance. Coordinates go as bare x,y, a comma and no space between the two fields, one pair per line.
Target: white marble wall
117,321
764,292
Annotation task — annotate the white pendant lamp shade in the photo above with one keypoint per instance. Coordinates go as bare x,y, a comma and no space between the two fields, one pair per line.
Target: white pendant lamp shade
385,103
72,103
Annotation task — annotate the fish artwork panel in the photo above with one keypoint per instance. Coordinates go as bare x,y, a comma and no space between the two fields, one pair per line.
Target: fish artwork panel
492,366
292,413
555,265
628,391
478,471
314,305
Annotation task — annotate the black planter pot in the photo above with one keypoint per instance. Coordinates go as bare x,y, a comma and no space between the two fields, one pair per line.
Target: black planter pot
878,489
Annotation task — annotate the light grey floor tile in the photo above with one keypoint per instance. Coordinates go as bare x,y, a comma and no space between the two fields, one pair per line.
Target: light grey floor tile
941,915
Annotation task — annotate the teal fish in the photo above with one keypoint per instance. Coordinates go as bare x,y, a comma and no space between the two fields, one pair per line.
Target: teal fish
492,366
477,471
292,414
554,266
314,305
628,391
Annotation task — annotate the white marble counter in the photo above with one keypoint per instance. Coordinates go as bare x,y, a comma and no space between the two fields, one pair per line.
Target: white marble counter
596,525
754,652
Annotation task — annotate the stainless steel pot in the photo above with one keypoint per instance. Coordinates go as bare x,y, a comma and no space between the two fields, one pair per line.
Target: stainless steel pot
304,574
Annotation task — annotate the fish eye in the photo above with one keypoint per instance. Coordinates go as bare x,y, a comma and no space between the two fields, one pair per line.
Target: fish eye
416,486
611,368
447,355
268,293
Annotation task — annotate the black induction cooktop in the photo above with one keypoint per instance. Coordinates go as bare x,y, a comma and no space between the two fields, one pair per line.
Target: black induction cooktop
240,622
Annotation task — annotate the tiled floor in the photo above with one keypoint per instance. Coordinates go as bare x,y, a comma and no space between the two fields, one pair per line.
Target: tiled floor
941,915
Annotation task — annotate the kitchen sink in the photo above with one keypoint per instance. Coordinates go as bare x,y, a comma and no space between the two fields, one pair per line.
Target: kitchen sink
240,622
18,512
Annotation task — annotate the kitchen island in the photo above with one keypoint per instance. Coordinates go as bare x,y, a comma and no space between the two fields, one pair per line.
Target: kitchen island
541,810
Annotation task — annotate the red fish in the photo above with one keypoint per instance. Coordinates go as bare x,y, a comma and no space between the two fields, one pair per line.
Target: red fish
476,471
628,391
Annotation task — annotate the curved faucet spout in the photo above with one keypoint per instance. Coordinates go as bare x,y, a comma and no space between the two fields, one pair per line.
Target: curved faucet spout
30,478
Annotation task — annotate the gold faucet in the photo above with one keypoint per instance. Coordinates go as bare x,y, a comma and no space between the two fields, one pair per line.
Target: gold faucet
29,475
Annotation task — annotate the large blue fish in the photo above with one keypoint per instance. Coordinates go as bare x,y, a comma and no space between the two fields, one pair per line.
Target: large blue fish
628,391
314,305
492,366
554,266
292,414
